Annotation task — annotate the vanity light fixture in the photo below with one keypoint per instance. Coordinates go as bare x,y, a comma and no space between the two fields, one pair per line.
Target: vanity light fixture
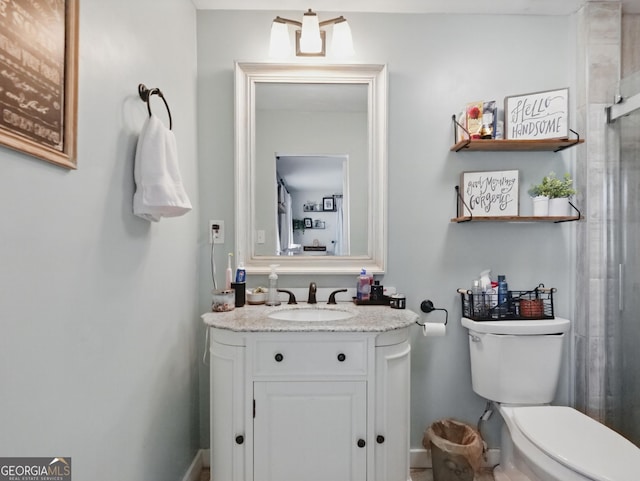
310,37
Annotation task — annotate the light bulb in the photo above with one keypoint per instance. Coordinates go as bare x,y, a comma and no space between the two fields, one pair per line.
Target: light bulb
342,42
279,46
310,41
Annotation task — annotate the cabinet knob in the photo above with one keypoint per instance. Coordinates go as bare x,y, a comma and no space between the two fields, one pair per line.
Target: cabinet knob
341,357
239,439
380,439
278,357
361,443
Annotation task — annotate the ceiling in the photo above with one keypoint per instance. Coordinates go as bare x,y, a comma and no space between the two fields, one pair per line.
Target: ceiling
493,7
308,173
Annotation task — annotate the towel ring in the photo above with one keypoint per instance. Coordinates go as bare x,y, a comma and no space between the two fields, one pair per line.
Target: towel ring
146,93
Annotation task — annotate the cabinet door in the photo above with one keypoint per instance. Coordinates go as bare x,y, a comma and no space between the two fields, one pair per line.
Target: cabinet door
227,415
311,431
391,423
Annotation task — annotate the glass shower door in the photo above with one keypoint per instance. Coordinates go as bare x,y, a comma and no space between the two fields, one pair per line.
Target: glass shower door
624,328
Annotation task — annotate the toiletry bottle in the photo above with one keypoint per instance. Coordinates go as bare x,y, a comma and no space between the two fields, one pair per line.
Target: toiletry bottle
241,273
502,296
485,280
376,291
229,274
485,285
477,303
363,287
272,299
493,299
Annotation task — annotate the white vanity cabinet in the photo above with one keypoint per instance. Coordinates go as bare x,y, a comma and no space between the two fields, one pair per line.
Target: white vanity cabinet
318,406
227,416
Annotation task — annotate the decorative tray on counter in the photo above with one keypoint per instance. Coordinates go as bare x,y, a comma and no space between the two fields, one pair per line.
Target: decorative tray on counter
372,302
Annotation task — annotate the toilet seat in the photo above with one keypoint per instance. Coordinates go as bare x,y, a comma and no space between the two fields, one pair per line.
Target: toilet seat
578,442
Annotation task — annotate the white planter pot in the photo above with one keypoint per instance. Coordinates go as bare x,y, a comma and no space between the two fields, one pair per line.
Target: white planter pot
559,207
541,206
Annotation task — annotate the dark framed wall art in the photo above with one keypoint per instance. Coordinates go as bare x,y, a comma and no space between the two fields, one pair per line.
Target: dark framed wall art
328,204
38,79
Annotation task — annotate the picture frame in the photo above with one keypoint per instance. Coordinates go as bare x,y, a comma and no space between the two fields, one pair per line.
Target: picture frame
490,193
39,100
328,204
537,115
308,223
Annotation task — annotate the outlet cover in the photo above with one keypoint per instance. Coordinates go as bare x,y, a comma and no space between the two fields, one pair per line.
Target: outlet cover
216,236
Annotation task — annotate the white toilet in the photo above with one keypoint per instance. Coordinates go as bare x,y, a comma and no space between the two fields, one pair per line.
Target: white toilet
516,364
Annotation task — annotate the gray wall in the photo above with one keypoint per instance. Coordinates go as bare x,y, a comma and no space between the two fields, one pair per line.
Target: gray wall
436,63
99,337
101,340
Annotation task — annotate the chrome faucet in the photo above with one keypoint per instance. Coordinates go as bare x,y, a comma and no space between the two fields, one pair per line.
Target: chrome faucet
312,294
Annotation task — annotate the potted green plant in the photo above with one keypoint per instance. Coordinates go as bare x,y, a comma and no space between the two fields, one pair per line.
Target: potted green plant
298,224
540,200
558,192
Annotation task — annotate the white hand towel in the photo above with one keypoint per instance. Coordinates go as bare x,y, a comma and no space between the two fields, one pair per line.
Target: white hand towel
159,190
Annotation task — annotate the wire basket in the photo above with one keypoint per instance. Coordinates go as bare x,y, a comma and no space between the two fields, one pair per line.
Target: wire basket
533,304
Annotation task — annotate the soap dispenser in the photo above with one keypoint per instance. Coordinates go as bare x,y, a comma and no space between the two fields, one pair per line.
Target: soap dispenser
272,299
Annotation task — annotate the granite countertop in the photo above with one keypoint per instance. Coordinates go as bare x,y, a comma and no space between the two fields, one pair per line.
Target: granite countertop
366,319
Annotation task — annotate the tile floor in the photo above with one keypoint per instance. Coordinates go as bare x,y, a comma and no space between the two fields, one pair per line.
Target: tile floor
416,475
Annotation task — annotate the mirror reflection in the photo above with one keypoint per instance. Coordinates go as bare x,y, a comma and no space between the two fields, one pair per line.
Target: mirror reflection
315,137
313,205
311,167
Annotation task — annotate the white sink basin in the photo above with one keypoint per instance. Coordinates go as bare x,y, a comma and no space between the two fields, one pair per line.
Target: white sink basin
311,315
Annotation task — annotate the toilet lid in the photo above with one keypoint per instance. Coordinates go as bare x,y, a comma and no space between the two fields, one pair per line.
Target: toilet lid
579,442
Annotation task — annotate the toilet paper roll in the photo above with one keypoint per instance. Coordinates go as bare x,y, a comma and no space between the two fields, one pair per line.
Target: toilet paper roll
434,329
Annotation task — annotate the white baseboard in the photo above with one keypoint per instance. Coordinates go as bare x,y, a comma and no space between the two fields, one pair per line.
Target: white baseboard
418,459
200,460
421,458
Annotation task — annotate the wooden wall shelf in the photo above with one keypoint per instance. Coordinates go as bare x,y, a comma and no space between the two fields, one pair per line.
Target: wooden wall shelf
506,145
510,145
555,220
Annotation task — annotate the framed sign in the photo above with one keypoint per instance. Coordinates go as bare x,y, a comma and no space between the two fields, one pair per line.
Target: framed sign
38,78
490,194
539,115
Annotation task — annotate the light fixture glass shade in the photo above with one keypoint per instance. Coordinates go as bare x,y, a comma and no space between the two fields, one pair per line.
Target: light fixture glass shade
342,42
280,45
310,41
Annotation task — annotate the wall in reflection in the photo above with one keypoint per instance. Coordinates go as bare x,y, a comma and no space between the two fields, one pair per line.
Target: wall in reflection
311,133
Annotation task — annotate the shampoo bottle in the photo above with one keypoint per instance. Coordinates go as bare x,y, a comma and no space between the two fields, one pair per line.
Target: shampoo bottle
363,287
272,299
503,290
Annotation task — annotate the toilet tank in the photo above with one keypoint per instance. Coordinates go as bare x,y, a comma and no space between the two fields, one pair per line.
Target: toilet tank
516,364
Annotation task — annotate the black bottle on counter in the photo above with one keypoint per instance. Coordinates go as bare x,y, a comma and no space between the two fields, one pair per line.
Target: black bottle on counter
377,291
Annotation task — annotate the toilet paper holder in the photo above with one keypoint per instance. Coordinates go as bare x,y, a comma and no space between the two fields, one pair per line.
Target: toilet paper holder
427,306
